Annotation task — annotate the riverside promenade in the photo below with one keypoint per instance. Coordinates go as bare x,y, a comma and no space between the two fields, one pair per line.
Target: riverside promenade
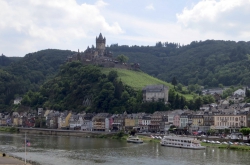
61,132
8,160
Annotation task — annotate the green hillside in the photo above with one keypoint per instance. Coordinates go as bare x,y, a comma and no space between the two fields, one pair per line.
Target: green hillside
208,63
136,79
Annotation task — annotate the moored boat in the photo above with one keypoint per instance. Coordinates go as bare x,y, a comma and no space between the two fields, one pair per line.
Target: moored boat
182,142
134,139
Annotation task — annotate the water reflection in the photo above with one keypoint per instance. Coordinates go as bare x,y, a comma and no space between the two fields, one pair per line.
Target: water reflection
64,150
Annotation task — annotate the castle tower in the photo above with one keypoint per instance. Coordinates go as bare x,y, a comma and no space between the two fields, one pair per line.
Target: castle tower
100,44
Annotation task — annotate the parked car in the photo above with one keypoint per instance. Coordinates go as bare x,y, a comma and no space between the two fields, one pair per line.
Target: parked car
236,143
217,142
204,140
224,143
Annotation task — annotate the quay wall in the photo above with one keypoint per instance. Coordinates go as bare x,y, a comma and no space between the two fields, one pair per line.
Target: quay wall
62,132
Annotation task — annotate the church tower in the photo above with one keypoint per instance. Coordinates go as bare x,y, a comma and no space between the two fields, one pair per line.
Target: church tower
100,45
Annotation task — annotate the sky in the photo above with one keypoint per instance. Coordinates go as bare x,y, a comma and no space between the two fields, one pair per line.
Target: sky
28,26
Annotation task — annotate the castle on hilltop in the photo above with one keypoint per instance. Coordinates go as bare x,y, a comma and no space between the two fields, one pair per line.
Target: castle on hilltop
100,52
100,56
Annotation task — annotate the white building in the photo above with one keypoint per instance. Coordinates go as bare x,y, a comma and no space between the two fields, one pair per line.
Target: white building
240,92
155,93
18,100
183,120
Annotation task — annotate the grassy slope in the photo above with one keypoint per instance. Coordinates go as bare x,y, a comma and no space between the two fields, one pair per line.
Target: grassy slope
138,80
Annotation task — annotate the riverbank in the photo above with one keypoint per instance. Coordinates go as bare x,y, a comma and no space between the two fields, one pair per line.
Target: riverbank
226,146
13,160
123,136
149,139
8,129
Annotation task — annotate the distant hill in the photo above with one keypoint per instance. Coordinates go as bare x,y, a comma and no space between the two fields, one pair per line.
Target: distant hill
4,61
207,63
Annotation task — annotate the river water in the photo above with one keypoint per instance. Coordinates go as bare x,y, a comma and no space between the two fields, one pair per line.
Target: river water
66,150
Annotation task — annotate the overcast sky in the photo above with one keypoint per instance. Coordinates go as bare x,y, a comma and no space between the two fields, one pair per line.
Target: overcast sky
31,25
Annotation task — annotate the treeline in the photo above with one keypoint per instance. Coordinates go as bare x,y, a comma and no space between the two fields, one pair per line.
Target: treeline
206,63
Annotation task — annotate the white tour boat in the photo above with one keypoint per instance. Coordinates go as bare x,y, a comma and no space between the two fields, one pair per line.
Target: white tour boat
182,142
134,139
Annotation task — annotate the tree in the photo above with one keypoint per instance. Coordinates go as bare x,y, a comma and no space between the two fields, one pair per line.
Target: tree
211,131
132,132
245,131
221,86
182,102
122,58
118,89
177,102
247,93
159,44
112,75
179,87
198,102
174,82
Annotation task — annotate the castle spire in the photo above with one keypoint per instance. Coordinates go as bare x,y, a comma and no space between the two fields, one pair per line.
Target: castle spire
100,36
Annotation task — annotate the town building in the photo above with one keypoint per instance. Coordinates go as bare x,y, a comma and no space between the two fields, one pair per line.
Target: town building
230,121
100,122
18,100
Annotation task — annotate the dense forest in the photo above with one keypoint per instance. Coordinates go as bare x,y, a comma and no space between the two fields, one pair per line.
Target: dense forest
206,63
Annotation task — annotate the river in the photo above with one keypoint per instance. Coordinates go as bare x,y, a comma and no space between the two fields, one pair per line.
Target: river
66,150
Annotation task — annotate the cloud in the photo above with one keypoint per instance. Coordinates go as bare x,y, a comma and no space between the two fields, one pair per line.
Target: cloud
150,7
50,23
148,32
101,3
231,17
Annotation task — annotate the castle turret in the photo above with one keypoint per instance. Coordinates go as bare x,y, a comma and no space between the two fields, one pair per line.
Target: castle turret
100,44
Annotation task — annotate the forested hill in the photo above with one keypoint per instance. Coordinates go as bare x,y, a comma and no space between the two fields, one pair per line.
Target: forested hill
17,76
88,88
207,63
38,79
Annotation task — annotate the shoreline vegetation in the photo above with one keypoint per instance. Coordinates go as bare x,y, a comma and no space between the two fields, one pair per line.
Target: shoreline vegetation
124,136
9,129
226,146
